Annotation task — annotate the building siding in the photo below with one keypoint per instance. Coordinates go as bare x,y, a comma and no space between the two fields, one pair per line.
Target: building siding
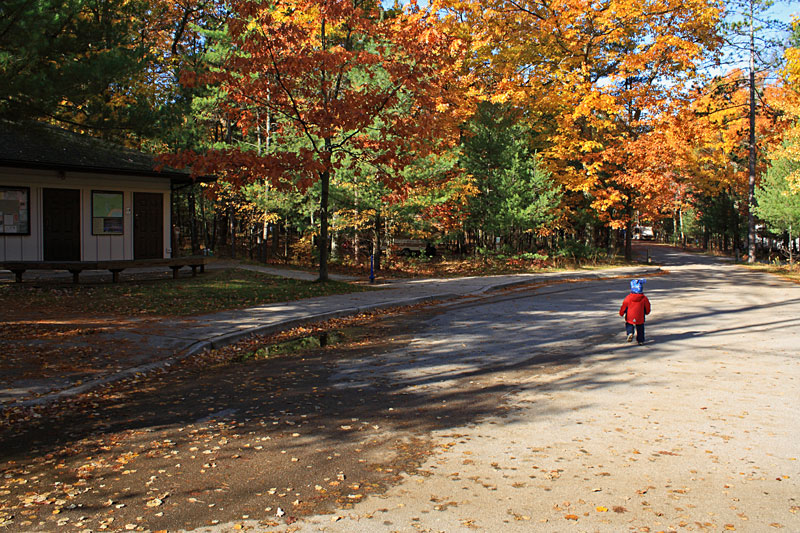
93,247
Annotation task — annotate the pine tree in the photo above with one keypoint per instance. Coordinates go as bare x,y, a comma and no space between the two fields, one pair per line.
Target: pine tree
778,204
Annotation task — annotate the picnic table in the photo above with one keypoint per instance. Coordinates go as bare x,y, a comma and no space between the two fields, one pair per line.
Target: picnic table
115,267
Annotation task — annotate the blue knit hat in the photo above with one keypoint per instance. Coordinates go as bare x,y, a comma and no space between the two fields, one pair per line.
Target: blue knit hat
637,285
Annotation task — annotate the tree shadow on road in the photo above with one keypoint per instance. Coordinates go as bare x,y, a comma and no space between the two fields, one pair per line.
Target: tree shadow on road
301,432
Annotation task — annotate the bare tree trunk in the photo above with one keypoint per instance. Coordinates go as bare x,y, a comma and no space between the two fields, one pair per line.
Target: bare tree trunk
737,245
265,241
629,240
356,236
324,178
207,242
221,228
675,226
267,140
287,235
376,245
193,221
232,230
276,235
629,234
175,217
751,197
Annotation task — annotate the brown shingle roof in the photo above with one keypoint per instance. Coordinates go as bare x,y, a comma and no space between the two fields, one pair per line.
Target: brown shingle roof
38,145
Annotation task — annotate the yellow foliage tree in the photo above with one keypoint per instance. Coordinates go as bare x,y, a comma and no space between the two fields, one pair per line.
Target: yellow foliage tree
600,71
790,105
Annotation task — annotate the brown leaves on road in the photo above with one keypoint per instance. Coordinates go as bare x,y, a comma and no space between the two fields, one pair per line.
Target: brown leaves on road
63,350
215,438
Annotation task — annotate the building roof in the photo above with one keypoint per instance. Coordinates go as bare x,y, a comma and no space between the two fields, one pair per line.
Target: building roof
39,145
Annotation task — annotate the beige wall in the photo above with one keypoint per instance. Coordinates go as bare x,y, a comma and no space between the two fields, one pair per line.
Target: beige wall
93,247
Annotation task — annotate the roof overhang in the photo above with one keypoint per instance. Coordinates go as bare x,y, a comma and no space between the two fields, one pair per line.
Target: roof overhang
41,146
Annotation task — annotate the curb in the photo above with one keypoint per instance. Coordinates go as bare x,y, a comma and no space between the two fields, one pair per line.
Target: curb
230,338
88,385
218,342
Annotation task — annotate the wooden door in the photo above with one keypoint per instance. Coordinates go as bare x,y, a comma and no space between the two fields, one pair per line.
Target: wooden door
148,225
61,218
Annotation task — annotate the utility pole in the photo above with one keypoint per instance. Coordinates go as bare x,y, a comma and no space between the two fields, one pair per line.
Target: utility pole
751,190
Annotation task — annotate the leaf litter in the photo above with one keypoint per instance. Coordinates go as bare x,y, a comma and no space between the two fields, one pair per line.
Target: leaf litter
139,453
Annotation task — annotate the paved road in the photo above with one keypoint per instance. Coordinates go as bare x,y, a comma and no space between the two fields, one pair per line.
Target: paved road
155,344
695,431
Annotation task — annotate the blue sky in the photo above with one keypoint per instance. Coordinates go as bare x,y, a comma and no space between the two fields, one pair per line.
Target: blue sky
784,10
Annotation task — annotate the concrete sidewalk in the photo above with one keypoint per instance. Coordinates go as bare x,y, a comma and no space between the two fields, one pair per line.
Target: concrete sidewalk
227,327
178,338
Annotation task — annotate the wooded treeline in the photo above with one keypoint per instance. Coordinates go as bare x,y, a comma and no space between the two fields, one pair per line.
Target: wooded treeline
333,127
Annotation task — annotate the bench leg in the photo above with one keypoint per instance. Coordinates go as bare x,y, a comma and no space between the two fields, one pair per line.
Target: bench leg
194,270
202,269
18,275
115,274
175,270
75,274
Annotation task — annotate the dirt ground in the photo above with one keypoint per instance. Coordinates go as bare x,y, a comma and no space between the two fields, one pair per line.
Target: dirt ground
216,440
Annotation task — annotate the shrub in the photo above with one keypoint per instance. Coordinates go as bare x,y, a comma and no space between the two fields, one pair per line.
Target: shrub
578,251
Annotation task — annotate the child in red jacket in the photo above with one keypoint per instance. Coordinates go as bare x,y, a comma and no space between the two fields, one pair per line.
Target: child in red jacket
634,308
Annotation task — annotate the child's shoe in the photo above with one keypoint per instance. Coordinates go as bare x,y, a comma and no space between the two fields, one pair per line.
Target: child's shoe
630,337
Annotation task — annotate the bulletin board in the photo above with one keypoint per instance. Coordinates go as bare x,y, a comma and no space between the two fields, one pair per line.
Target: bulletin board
15,211
107,209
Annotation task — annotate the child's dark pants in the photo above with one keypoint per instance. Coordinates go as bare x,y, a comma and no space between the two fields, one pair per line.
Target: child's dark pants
639,331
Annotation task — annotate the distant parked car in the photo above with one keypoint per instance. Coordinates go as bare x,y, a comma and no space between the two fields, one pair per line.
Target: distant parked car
408,247
644,233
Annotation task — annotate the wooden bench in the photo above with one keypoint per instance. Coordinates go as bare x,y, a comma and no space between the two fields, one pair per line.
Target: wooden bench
115,267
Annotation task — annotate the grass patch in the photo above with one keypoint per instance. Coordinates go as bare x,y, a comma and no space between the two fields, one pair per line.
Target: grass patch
300,345
217,290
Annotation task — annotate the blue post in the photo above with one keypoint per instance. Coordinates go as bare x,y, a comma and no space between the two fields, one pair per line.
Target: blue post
372,268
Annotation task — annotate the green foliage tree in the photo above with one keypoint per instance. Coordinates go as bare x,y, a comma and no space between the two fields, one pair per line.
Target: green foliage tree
752,33
721,219
67,59
104,67
778,204
517,195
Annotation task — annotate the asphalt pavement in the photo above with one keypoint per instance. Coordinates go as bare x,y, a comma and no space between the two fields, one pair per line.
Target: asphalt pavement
511,410
165,342
696,430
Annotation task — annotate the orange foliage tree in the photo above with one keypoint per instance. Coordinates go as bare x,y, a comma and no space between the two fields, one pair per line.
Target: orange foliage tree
601,72
346,83
709,138
790,106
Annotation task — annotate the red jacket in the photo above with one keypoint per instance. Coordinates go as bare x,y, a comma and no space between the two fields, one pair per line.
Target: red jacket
634,308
